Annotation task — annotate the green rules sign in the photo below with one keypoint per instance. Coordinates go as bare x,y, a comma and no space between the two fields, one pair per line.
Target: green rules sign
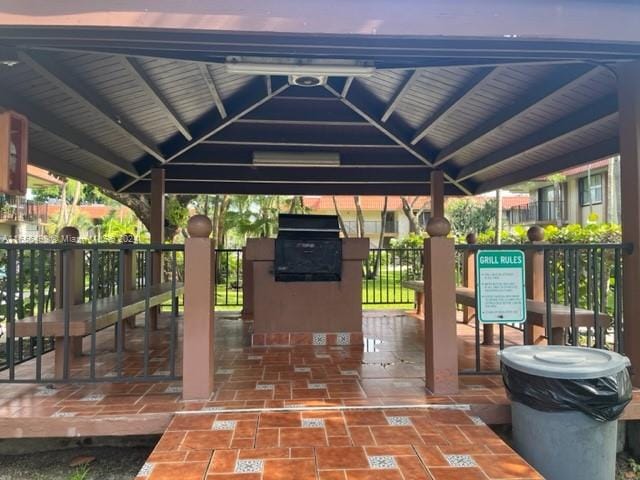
500,286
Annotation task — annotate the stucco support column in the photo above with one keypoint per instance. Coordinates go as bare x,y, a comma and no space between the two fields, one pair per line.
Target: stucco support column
69,291
157,232
534,281
199,299
629,129
440,333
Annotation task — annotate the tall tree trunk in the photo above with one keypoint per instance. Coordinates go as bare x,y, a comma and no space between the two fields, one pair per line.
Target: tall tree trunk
360,233
62,216
408,210
343,227
383,225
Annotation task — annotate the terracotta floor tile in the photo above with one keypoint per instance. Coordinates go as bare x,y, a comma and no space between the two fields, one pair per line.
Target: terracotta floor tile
268,438
396,436
361,436
206,440
367,417
342,441
451,473
234,476
505,466
285,419
243,442
411,468
302,452
377,474
182,471
192,422
199,455
394,450
341,458
303,437
264,453
223,461
169,441
289,469
332,475
173,456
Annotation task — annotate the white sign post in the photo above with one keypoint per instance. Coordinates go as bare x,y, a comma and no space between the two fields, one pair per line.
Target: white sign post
500,286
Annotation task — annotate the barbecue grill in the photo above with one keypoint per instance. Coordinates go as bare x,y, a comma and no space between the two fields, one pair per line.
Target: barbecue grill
308,249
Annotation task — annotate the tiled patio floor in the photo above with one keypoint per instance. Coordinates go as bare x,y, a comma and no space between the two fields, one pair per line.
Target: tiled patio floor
337,444
388,371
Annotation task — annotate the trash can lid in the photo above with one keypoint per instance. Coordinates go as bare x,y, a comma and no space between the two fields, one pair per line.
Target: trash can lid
563,362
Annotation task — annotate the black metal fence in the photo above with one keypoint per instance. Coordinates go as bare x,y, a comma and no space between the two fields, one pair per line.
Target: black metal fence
580,281
73,293
384,273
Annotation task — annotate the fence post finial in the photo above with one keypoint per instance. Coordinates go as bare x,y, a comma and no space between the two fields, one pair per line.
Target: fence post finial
535,233
199,226
471,238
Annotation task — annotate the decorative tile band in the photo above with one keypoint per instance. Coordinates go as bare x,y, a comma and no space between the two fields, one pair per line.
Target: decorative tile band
287,339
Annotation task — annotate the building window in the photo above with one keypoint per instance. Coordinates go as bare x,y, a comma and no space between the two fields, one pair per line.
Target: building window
590,190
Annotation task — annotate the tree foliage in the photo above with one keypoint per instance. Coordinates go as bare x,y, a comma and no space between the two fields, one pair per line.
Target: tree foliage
467,215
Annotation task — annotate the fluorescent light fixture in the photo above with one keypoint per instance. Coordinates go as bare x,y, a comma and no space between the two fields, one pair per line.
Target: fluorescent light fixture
296,159
296,69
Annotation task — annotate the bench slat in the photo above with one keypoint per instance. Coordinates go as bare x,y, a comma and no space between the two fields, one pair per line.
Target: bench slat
536,310
107,313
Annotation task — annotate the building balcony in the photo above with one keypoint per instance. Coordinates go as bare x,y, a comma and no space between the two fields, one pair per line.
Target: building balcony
19,209
538,213
371,227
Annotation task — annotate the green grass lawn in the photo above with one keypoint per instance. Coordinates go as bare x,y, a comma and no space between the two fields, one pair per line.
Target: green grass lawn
385,291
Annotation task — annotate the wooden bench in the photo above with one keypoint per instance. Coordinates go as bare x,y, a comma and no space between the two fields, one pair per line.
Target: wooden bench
80,318
536,311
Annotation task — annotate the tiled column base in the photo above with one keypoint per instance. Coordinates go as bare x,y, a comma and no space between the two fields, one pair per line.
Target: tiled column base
305,338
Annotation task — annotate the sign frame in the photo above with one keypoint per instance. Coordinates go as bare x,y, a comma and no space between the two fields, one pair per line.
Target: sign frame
481,316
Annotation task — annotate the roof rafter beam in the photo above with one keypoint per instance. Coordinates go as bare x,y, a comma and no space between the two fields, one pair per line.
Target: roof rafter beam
61,167
584,118
577,157
406,85
135,69
66,133
243,103
211,85
62,79
296,188
358,105
468,89
338,174
553,85
347,86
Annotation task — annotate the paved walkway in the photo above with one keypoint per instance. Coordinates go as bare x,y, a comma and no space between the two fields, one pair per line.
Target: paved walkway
333,444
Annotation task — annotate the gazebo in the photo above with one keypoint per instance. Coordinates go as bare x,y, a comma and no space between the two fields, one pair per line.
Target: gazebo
279,97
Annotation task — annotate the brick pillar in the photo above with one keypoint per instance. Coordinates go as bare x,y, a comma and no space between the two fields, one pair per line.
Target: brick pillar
534,280
441,344
69,291
247,286
199,300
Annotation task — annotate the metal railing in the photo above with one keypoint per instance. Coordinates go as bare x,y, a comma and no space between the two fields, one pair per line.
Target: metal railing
384,272
537,212
577,276
19,209
40,293
229,271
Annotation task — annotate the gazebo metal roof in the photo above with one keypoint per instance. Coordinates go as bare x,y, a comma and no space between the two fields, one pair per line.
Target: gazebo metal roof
108,104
